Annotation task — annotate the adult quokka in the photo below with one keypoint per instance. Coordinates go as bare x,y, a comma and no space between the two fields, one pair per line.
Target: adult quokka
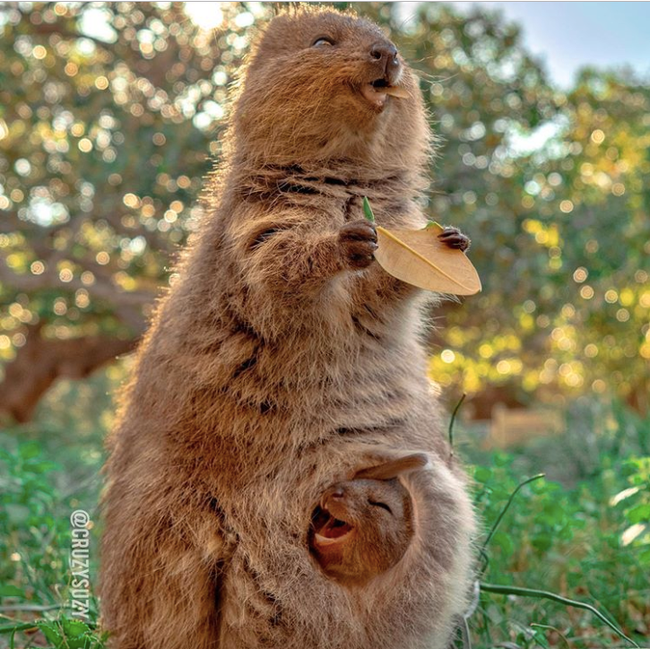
282,361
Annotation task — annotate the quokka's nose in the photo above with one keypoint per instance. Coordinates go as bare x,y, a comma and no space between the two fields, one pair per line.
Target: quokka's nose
386,54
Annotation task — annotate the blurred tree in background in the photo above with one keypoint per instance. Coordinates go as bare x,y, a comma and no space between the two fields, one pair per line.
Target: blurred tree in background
554,190
109,118
105,132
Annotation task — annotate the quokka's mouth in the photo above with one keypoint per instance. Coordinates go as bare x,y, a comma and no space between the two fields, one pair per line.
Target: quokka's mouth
377,91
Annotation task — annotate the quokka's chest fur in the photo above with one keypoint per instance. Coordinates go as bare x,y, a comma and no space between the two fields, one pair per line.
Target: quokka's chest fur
254,403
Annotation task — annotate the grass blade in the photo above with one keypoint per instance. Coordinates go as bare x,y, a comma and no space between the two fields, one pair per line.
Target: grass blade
503,512
367,210
453,420
543,594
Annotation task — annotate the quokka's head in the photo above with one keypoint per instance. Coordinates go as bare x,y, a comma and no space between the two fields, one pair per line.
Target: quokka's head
362,527
323,85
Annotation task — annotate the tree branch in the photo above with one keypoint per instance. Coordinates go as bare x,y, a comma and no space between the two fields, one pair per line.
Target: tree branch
42,361
127,304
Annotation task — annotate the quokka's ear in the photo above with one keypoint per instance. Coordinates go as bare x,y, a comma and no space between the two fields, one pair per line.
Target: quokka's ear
393,468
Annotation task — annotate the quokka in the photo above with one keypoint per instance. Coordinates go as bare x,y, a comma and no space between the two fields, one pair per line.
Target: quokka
283,361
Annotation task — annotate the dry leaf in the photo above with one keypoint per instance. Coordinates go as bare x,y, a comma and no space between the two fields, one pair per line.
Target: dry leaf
396,91
419,258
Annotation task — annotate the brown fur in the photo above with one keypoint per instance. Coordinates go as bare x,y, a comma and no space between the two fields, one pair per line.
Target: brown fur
282,361
361,528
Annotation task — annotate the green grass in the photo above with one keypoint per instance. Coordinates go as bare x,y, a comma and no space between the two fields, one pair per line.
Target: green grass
581,533
36,501
48,469
568,537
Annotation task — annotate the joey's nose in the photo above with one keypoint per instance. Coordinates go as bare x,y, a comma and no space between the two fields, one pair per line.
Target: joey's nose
332,495
338,493
386,54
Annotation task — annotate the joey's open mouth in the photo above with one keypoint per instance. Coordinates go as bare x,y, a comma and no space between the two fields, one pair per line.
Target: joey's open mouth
379,90
333,531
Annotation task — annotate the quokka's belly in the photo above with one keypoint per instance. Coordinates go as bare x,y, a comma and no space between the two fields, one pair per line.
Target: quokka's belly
273,593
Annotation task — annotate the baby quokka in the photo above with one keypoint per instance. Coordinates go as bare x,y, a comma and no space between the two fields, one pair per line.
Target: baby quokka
362,527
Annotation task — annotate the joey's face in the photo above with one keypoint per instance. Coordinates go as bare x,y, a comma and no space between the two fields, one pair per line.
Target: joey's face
325,75
361,528
367,510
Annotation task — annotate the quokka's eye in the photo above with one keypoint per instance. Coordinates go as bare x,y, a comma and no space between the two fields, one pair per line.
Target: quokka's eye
323,41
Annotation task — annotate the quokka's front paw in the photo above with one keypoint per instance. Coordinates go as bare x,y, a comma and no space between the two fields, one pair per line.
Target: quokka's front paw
357,243
454,238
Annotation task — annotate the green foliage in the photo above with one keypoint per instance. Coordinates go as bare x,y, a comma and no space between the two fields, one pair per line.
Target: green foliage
367,210
45,476
30,546
569,539
61,633
106,130
66,633
635,503
35,506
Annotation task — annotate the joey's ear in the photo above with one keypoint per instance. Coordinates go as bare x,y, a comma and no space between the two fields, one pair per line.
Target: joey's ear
393,468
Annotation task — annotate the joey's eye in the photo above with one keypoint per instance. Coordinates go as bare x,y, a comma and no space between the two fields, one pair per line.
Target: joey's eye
382,505
323,41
